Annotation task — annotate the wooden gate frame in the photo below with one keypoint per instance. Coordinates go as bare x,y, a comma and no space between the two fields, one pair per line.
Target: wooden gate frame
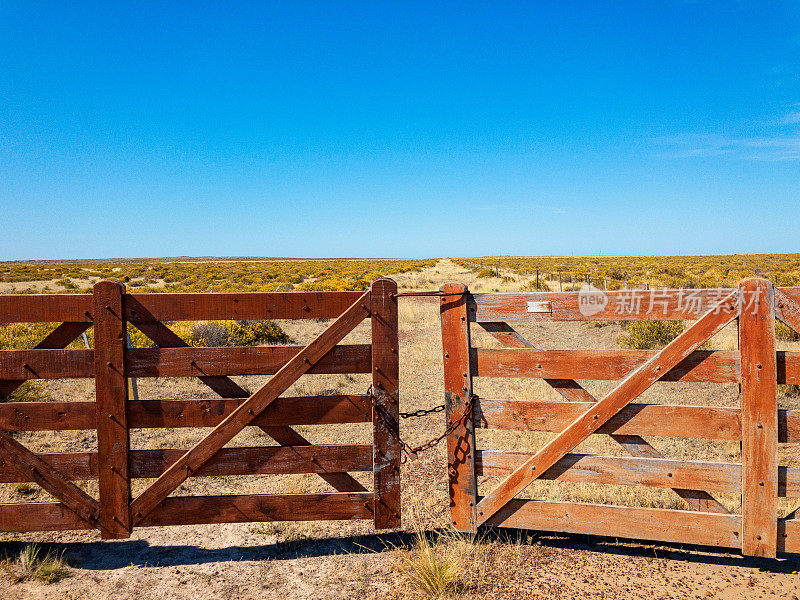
757,423
109,309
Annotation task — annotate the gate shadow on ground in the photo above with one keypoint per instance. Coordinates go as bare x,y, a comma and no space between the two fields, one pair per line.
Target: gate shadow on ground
109,555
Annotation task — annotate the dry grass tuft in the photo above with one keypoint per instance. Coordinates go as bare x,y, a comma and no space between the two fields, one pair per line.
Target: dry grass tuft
430,568
49,568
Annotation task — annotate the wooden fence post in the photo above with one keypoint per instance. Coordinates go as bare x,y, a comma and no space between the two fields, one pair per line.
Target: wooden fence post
463,489
111,393
385,381
759,413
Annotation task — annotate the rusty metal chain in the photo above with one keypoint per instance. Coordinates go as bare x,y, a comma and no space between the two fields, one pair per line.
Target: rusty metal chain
394,427
422,412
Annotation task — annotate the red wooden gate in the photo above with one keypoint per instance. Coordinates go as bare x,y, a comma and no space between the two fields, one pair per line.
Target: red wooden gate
109,309
757,422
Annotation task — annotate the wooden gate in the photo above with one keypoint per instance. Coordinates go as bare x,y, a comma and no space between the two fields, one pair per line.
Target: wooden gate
757,422
109,309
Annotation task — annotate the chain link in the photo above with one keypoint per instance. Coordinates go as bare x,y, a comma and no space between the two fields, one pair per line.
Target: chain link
394,427
422,412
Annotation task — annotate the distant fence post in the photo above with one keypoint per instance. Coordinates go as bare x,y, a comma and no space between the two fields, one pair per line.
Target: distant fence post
111,390
759,415
463,489
385,381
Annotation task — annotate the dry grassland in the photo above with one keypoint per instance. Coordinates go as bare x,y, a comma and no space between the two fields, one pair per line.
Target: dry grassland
347,559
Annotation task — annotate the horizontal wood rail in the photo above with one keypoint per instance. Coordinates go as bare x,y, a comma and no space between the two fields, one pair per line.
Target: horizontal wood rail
46,364
264,460
141,308
109,310
629,470
46,308
721,366
201,412
668,420
752,307
199,510
621,305
179,362
658,524
253,360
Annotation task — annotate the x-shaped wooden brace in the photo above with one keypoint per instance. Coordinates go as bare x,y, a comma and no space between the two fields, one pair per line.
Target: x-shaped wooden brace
573,391
246,412
788,312
595,417
31,465
226,387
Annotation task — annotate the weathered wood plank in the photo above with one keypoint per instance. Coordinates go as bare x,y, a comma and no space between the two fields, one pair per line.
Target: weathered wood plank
21,365
111,393
386,388
56,416
624,470
702,365
634,445
45,308
39,516
759,404
295,410
192,510
620,305
267,460
237,306
709,422
244,414
656,524
462,481
589,422
195,510
249,360
195,412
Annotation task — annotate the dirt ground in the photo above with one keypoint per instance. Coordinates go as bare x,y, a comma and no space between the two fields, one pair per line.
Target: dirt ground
348,559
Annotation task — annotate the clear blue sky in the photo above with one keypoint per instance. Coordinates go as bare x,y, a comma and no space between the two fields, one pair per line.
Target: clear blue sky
398,129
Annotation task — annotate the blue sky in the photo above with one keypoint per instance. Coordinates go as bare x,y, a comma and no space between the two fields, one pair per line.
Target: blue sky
398,129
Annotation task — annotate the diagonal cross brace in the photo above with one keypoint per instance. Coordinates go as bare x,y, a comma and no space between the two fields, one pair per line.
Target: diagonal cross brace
590,421
635,445
244,414
226,387
61,337
49,478
787,310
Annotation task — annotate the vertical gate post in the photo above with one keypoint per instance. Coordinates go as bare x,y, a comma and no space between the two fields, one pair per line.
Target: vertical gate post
385,382
759,413
463,489
111,394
